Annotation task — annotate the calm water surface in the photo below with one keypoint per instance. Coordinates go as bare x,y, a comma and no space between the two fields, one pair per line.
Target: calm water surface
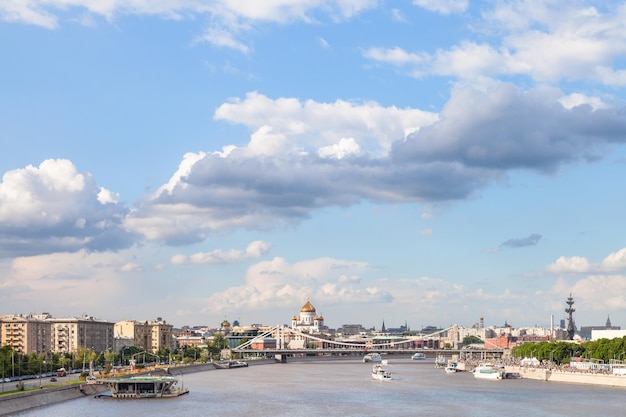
344,388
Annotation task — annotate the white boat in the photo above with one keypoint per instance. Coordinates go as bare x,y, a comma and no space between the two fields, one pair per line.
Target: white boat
489,371
230,364
372,357
379,373
441,361
143,387
450,367
418,356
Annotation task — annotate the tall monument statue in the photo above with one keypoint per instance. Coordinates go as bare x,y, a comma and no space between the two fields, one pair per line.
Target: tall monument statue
571,328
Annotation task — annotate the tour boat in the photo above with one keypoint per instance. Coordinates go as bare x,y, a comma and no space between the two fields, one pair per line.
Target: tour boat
143,387
379,373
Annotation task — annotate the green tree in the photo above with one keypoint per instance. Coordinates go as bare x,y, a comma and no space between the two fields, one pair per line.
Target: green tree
470,340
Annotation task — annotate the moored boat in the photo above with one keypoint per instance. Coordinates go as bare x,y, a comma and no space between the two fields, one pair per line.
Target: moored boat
379,373
489,371
230,364
372,357
451,368
143,387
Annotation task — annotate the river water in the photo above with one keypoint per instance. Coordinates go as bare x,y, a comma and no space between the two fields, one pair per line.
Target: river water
345,388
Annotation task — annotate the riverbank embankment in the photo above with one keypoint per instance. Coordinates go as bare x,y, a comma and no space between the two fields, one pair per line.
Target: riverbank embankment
11,404
571,377
22,401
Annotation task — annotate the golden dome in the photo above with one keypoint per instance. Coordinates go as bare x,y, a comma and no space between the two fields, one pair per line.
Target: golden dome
307,308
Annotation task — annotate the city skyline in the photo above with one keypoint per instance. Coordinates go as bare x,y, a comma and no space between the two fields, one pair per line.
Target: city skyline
430,162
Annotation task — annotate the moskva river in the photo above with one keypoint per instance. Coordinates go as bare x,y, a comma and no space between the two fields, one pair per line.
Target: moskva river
345,388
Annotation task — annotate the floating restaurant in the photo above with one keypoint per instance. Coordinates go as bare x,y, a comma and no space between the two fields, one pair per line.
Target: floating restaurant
143,387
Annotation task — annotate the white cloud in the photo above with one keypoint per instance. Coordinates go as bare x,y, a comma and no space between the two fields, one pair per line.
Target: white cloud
576,264
345,147
577,99
67,283
27,12
305,156
309,125
396,56
106,196
228,19
603,293
398,16
615,261
549,42
443,6
131,267
278,288
224,39
276,284
54,207
254,250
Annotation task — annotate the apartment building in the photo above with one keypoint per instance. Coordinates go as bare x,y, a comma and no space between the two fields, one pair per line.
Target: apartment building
152,336
26,333
71,333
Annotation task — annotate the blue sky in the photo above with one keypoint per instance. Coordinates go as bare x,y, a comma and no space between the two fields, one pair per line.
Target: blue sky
427,162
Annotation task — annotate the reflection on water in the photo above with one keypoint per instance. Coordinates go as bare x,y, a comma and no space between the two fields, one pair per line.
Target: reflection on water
345,388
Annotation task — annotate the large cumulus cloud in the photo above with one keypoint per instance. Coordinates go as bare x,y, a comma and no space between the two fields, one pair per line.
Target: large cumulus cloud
294,165
54,208
507,128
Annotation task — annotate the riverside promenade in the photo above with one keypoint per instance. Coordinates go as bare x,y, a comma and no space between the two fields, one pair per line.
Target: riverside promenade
569,376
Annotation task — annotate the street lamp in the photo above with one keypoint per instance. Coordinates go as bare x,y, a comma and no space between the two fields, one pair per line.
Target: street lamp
40,375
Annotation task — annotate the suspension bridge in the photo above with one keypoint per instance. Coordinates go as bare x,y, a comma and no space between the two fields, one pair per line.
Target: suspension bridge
285,341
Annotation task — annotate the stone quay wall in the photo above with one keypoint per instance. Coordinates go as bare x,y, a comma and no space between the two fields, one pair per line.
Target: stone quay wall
22,401
572,377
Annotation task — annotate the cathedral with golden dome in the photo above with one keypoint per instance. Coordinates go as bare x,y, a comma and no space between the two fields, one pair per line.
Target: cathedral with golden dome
308,321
